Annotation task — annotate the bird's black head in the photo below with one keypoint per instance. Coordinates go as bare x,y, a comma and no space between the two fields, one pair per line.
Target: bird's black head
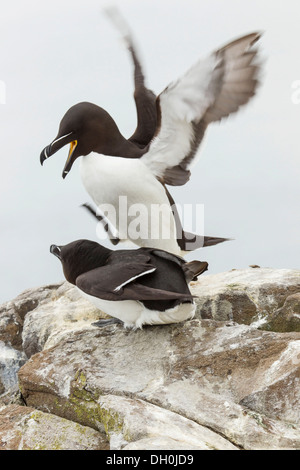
79,257
87,128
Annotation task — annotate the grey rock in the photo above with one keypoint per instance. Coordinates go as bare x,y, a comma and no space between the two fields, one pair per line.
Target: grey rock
23,428
245,295
136,420
10,362
200,370
228,379
286,318
55,317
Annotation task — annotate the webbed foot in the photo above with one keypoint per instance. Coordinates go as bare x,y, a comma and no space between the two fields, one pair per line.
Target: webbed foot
109,321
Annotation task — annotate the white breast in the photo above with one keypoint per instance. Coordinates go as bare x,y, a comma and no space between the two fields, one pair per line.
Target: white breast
142,211
135,315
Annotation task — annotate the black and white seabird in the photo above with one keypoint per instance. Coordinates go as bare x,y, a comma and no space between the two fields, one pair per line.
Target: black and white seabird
143,286
164,145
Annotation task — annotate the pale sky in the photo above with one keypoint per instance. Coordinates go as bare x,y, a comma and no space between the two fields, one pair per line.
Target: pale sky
55,54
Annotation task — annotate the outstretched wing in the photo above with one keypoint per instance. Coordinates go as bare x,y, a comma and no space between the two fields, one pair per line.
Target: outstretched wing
145,99
212,89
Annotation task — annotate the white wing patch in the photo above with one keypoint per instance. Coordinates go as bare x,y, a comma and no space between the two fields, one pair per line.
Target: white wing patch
133,279
212,89
182,103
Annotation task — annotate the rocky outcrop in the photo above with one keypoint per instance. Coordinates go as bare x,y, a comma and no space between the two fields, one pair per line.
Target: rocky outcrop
24,428
228,379
246,296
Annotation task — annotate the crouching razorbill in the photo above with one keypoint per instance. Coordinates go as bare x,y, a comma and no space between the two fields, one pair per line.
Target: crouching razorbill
140,287
170,128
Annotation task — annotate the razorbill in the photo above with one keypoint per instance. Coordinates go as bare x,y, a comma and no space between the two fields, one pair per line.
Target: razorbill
144,286
170,128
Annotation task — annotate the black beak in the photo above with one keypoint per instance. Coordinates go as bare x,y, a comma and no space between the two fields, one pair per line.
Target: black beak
59,142
56,251
45,153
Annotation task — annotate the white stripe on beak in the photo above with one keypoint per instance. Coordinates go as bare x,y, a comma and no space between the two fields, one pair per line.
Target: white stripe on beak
57,140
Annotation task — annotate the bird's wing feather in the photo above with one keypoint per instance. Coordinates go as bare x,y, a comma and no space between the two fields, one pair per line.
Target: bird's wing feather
118,282
211,90
145,99
112,278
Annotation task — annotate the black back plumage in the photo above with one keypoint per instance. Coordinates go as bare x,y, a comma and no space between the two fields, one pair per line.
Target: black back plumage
154,277
168,276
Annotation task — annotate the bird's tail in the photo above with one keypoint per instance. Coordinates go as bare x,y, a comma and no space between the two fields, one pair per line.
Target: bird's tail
190,241
193,269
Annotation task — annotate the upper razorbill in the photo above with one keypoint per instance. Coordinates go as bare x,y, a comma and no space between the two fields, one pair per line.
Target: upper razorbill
164,145
140,287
